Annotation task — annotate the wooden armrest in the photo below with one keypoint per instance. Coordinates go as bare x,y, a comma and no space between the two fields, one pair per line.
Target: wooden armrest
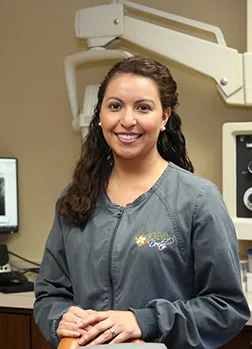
68,343
72,343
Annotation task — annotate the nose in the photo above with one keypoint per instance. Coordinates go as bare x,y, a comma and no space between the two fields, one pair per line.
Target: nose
128,119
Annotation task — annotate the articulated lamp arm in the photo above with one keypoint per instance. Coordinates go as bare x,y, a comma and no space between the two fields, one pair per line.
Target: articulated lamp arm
231,70
221,63
104,25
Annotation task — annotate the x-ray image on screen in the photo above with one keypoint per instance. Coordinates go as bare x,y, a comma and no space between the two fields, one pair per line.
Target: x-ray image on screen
2,197
8,195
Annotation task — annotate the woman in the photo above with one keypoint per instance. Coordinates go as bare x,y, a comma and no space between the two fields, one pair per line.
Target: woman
140,246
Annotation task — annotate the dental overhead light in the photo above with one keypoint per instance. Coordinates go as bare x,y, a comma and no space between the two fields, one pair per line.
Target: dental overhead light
103,26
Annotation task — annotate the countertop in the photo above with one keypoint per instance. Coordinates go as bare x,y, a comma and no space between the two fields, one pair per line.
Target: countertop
23,300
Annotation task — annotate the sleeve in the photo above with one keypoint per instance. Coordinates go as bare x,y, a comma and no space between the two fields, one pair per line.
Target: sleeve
53,289
219,309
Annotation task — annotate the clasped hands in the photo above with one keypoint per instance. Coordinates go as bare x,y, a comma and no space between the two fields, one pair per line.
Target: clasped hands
99,327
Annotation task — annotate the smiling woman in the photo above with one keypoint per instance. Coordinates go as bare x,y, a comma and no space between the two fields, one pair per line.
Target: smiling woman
140,246
132,118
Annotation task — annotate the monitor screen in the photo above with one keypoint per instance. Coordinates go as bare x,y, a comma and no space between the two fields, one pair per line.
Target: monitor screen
8,195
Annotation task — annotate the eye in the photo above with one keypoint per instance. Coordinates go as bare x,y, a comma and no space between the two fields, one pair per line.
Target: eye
144,107
114,106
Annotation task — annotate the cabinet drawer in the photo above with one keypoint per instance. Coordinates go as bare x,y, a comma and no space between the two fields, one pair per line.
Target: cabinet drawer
15,331
18,330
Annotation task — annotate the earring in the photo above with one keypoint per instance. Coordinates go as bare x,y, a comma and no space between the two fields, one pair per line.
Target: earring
163,128
99,123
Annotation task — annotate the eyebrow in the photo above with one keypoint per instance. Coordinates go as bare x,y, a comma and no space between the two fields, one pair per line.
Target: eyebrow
137,101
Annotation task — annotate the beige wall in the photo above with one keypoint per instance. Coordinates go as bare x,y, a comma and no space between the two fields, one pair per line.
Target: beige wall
35,127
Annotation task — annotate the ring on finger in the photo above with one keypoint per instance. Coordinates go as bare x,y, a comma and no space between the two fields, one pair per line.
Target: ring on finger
112,331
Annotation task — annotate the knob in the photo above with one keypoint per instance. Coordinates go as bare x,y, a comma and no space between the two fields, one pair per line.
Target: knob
250,167
247,199
250,199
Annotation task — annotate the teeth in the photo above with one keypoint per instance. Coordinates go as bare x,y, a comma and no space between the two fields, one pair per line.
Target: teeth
128,136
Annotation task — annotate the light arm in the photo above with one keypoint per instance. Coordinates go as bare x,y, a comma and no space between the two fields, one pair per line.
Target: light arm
225,65
170,16
211,59
102,26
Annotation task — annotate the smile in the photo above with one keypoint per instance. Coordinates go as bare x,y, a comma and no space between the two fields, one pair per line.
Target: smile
128,136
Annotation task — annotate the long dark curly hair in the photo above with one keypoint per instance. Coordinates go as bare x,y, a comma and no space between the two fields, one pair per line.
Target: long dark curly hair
96,161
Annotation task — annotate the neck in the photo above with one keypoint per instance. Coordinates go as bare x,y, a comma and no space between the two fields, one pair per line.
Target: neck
127,170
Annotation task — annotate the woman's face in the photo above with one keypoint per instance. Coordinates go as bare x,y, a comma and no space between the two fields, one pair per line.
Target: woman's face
132,117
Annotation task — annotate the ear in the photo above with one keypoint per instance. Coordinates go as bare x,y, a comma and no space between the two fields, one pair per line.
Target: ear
165,117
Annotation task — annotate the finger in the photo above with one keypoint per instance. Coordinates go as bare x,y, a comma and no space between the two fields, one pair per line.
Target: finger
82,313
121,338
77,314
68,316
74,329
105,337
71,318
75,323
101,328
71,326
67,333
73,309
94,318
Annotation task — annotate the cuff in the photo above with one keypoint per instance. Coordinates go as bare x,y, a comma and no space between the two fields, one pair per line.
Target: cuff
55,324
147,321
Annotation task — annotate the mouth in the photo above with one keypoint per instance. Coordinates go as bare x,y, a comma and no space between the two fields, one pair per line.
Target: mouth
128,138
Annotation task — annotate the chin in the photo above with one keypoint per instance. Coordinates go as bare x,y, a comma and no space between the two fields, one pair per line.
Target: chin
126,155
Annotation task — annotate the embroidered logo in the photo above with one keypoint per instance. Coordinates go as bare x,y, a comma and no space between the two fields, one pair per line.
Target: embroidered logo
141,240
160,240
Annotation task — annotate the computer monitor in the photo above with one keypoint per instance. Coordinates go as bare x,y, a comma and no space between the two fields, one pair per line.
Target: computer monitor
8,195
